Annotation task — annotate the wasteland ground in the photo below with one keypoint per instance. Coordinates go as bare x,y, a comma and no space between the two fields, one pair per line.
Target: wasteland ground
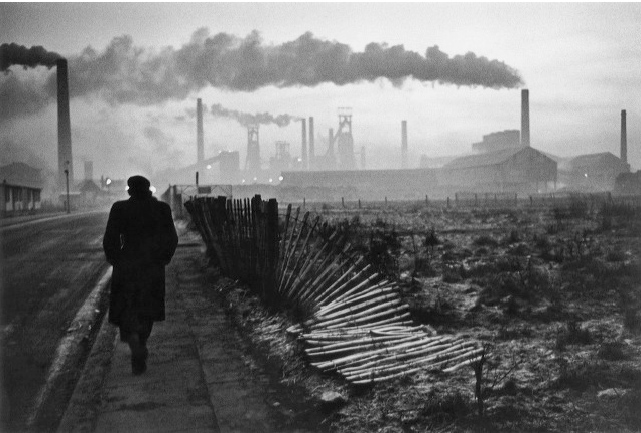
553,293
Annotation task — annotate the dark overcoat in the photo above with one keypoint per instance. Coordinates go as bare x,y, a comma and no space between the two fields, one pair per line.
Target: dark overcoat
139,242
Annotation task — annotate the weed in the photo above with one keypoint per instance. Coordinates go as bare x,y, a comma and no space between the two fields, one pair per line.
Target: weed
486,240
453,273
612,351
445,408
513,237
572,334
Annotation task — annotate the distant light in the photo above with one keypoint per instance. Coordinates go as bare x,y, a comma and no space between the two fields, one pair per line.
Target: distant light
255,179
299,160
209,167
108,182
280,178
270,180
127,188
152,189
586,175
243,181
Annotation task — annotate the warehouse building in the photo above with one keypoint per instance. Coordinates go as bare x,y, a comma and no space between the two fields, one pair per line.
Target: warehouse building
517,169
593,172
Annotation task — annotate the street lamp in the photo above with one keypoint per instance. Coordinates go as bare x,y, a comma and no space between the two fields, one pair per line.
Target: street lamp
67,175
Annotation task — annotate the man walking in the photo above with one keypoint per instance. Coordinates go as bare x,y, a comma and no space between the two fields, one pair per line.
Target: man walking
140,240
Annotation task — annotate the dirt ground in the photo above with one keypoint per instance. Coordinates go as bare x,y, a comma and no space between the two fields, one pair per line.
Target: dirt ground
552,293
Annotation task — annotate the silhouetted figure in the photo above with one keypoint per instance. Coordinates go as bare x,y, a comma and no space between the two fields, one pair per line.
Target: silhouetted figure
139,242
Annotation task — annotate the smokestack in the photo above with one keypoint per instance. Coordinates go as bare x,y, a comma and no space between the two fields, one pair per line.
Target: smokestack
200,132
330,148
363,158
88,170
303,150
624,138
404,144
65,159
311,141
525,117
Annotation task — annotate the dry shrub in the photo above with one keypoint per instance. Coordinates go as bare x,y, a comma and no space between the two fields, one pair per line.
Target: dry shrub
573,334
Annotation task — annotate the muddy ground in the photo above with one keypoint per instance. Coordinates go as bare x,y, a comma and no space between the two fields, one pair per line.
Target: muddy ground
552,293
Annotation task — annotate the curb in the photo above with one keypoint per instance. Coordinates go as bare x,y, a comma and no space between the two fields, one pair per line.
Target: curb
70,349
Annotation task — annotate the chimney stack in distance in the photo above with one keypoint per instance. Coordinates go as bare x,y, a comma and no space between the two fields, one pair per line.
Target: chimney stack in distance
65,158
303,150
311,142
525,117
404,144
624,138
200,131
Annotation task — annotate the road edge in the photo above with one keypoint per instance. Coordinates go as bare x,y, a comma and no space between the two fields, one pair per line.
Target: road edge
70,346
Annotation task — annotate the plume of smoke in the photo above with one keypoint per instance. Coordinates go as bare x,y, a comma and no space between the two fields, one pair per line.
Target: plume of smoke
247,119
14,54
124,73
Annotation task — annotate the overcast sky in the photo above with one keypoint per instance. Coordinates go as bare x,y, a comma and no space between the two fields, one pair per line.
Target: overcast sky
581,63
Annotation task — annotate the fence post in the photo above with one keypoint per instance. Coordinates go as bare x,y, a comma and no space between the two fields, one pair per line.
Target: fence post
516,200
385,201
456,199
271,239
303,202
359,203
343,201
448,201
426,200
476,200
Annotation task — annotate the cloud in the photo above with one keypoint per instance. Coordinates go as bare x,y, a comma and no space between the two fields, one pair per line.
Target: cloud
126,74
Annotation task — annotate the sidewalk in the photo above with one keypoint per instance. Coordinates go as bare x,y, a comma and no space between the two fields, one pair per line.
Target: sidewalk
197,378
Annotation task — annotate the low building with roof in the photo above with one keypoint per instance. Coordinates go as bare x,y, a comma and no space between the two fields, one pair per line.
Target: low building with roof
517,169
21,188
592,172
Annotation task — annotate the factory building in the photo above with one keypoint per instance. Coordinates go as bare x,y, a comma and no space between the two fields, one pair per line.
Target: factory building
517,169
367,184
21,188
502,140
594,172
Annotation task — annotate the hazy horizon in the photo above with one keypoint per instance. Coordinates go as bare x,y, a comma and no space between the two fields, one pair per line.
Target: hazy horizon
134,90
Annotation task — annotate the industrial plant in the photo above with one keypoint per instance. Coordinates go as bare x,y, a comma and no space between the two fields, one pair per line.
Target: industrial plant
502,162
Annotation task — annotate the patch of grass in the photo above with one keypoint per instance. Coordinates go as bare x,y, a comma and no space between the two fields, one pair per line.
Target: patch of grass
612,351
446,408
486,240
572,334
596,374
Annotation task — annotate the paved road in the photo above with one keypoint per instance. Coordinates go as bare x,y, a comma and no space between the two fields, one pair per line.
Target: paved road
47,270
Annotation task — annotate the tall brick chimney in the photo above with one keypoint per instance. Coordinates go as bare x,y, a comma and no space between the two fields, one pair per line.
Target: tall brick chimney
311,142
624,138
200,132
404,144
65,158
525,118
303,150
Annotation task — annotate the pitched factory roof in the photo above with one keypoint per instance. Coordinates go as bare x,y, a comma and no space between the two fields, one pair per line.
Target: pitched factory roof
21,174
484,159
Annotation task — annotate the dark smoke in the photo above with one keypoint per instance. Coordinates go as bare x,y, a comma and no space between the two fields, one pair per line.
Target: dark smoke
247,119
14,54
124,73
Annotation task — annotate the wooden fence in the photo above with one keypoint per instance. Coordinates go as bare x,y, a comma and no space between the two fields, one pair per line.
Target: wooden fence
353,320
